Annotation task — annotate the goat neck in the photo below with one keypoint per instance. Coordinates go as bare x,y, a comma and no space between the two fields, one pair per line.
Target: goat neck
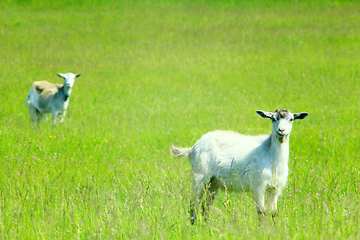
279,150
64,93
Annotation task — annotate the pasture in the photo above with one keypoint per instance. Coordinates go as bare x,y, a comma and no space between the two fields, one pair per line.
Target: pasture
158,73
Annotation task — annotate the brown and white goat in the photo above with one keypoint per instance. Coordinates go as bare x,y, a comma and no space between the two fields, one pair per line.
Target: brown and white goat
45,97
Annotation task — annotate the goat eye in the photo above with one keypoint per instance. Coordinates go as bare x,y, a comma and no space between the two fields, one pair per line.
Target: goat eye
291,120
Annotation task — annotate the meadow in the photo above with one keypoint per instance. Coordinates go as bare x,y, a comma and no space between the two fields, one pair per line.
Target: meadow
158,73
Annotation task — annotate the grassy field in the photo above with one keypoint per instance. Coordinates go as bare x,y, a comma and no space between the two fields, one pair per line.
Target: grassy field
161,73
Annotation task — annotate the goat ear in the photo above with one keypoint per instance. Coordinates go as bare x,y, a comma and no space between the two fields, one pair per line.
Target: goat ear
61,75
264,114
301,115
78,75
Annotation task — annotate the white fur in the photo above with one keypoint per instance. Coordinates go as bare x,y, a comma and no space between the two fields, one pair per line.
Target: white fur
45,97
225,159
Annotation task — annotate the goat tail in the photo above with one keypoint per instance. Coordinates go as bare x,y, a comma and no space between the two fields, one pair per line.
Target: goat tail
180,152
27,102
28,98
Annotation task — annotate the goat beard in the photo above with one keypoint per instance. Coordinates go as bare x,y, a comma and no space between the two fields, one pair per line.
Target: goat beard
281,138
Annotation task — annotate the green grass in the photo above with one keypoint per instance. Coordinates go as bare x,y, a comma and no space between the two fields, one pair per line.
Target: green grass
161,73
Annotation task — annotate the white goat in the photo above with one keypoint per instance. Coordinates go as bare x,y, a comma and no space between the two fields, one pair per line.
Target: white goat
45,97
225,159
